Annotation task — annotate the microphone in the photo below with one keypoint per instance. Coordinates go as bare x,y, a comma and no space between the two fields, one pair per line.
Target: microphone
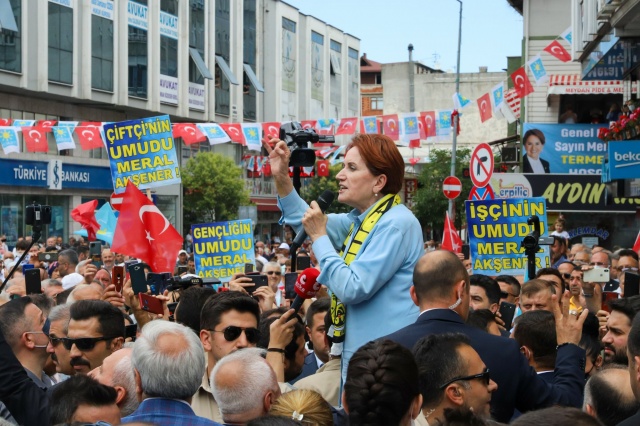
306,287
324,201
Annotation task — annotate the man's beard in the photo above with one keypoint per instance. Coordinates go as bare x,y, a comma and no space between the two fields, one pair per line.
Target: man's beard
619,356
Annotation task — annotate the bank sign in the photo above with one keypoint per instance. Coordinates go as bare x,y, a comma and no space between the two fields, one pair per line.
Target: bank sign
624,160
54,175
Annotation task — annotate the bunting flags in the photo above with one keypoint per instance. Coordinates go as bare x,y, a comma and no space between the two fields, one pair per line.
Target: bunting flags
5,122
557,50
9,139
24,123
429,120
35,139
521,82
64,138
566,34
390,126
271,130
252,135
460,102
537,70
234,130
189,133
308,124
347,126
322,168
213,133
409,129
484,105
497,95
89,135
46,125
443,124
369,125
325,126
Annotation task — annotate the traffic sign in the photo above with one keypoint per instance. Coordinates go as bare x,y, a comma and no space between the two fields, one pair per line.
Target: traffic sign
451,187
481,165
485,193
116,201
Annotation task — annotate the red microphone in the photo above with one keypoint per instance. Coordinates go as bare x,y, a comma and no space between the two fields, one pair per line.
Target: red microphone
306,287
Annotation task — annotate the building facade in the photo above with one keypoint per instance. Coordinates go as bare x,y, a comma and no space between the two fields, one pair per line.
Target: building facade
196,61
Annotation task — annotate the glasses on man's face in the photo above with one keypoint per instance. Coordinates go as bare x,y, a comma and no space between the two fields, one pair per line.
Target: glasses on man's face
626,269
598,264
485,376
232,332
566,275
274,272
83,343
55,341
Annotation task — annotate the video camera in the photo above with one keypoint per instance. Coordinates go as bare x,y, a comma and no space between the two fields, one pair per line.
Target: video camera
182,283
533,240
37,215
298,139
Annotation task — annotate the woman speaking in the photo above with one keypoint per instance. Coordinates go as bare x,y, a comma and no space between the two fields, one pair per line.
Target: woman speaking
367,256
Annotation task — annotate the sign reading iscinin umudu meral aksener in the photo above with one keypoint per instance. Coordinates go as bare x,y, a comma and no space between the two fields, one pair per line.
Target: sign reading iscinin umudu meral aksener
142,151
222,249
496,229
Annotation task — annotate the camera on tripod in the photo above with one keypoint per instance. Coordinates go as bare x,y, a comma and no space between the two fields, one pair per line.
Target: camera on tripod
298,139
37,215
182,283
532,242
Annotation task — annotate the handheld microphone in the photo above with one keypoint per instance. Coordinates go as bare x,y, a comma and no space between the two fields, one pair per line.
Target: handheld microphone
324,201
306,287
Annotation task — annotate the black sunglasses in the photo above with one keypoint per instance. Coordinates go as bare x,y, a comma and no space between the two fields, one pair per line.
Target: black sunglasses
485,376
83,343
55,341
566,275
232,332
274,272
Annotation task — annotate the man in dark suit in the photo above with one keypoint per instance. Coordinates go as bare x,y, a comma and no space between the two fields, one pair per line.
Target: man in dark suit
535,333
441,290
633,352
316,332
168,364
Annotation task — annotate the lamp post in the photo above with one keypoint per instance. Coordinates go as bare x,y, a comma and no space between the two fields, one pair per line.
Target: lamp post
412,103
457,117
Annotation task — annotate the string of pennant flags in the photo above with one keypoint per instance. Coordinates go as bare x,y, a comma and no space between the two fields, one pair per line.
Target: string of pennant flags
407,129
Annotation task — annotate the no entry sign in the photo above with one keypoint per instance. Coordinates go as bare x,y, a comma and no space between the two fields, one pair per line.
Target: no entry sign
451,187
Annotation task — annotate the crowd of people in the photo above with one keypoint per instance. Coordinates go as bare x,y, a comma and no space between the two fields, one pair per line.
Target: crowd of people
399,333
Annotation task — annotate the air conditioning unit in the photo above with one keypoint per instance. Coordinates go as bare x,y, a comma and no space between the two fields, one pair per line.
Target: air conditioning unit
510,154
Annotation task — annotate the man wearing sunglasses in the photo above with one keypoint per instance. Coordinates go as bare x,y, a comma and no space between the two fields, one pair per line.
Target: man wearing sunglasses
228,322
273,271
461,379
96,330
59,320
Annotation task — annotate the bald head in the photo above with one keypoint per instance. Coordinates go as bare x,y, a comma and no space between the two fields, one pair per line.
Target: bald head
436,275
608,395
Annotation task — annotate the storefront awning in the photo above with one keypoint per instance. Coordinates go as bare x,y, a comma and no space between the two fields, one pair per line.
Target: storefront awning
572,84
266,204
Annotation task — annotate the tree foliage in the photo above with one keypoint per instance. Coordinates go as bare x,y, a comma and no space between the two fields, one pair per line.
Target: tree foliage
430,203
312,188
213,188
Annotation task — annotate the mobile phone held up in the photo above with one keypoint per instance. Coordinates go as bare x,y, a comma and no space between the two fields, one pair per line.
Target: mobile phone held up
258,281
117,277
507,312
150,304
32,281
290,285
138,278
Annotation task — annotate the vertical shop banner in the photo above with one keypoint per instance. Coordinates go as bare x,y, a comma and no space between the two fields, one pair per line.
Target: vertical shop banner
142,151
496,229
567,148
221,249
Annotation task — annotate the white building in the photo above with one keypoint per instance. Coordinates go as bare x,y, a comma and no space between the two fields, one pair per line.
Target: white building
196,60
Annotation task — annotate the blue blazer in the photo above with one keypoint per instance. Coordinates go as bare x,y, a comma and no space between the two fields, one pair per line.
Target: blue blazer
167,412
518,384
310,367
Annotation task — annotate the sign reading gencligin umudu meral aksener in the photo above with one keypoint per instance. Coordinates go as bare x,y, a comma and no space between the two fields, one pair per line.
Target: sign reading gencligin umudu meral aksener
142,151
624,160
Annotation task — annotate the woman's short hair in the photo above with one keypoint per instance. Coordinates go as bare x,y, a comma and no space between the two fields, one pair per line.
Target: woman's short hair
308,406
382,382
534,132
382,157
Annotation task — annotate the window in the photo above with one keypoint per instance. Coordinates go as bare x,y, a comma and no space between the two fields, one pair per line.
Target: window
289,55
317,66
224,77
376,103
137,62
198,70
250,83
335,55
60,43
10,40
354,79
101,53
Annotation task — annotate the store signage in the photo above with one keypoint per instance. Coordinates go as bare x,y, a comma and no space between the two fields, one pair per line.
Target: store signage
37,174
624,160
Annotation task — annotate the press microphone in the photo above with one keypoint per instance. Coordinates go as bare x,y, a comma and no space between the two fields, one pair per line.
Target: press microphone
306,287
324,201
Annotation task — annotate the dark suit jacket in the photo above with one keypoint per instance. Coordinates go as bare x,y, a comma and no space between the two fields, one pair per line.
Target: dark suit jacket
518,384
526,166
631,421
310,367
167,412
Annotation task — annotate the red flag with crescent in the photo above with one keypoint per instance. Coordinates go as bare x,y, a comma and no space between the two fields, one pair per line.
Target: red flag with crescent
347,126
521,82
189,133
390,126
46,125
5,122
35,139
145,233
428,118
85,215
322,168
88,133
308,124
484,105
450,239
557,50
271,130
234,130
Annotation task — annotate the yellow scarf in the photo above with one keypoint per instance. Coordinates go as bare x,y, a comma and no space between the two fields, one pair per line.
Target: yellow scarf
351,247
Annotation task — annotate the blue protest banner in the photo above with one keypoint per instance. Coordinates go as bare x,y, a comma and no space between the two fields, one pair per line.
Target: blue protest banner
221,249
496,228
142,151
624,160
562,148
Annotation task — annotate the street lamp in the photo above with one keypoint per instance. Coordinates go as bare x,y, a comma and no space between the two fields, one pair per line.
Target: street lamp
456,119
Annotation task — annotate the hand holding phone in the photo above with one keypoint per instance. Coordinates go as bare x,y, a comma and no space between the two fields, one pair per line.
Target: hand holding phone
150,304
258,281
138,278
117,277
290,284
32,281
507,312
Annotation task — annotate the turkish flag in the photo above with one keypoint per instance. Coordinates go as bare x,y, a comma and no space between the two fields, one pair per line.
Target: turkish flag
46,125
429,119
414,160
35,139
5,122
484,105
390,126
347,126
308,124
143,232
636,245
414,143
450,239
557,50
189,133
322,168
85,215
271,130
234,130
521,82
88,133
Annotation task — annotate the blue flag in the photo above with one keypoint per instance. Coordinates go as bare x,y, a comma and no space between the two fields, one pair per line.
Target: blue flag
537,70
64,137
